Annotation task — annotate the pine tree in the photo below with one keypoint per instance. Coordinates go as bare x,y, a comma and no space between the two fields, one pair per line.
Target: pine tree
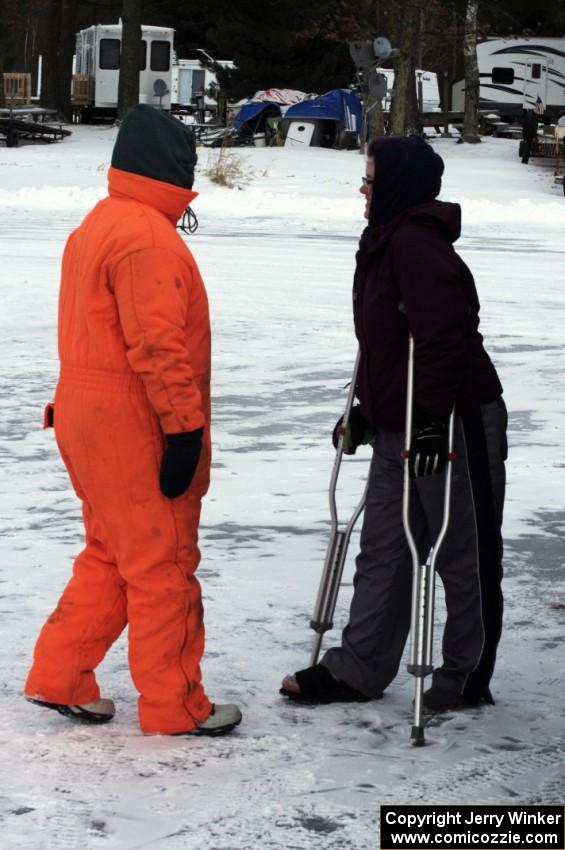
281,43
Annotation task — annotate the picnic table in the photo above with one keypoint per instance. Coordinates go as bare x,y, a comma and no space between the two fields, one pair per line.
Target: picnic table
30,122
37,113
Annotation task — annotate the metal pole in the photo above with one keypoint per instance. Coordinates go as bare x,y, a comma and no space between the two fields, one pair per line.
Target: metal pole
423,575
406,501
322,618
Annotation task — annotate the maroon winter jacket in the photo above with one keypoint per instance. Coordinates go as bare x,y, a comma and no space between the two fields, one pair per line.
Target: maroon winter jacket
409,278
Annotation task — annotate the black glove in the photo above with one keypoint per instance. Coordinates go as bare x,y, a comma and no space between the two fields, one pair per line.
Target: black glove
356,434
179,462
428,449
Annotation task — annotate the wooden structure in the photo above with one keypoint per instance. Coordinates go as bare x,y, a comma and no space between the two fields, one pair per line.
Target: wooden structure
17,89
82,90
559,172
548,144
551,144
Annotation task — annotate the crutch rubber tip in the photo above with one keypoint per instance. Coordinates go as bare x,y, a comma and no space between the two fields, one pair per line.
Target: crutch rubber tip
320,627
417,736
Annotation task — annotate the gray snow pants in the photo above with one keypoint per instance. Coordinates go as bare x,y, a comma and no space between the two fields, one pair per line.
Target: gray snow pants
469,563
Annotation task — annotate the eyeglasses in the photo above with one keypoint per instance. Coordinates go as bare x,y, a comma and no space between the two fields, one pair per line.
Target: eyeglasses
367,181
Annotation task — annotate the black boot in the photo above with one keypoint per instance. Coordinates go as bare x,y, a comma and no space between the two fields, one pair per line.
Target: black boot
438,699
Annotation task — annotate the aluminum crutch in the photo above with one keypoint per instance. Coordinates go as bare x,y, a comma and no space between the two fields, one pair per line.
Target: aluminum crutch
423,575
322,618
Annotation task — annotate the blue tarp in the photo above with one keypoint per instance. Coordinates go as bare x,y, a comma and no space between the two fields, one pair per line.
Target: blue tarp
249,111
337,105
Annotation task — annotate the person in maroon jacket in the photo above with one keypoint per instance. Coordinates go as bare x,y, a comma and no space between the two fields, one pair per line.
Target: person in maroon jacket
410,280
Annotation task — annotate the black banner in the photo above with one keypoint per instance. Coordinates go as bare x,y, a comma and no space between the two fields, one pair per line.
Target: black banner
472,827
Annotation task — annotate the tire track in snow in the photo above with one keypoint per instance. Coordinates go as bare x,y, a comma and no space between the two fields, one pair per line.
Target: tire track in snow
64,804
492,778
272,827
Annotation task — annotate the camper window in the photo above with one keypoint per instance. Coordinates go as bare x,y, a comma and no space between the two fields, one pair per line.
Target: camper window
536,72
143,55
505,76
160,55
198,80
109,54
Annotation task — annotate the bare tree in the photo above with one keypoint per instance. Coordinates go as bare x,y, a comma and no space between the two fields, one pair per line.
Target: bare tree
57,40
406,25
470,132
3,30
375,118
442,44
49,29
65,51
128,86
14,15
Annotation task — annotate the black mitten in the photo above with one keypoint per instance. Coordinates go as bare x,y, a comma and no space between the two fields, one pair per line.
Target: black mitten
428,449
179,462
356,434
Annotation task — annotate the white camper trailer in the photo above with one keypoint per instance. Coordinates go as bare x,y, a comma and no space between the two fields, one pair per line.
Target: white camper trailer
190,78
429,84
519,74
97,57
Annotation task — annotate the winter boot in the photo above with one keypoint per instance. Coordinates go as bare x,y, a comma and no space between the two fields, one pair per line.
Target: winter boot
437,700
90,712
221,720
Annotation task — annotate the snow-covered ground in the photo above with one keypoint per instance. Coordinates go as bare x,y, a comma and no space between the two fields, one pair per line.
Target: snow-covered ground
277,256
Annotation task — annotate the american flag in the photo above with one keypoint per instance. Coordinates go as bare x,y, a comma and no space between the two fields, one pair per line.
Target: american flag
539,108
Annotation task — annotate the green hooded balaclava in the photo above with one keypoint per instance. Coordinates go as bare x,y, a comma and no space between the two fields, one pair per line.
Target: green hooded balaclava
153,144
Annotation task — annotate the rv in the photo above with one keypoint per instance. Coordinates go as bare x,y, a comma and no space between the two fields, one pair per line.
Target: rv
97,62
429,89
518,75
190,77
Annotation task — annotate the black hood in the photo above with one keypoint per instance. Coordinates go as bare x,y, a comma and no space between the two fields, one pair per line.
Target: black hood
407,173
152,143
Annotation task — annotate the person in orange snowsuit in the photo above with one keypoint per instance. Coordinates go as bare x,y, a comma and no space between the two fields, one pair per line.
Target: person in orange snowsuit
132,423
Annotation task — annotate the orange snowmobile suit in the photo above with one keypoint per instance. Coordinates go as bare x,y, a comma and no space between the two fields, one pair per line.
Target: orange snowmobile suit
134,346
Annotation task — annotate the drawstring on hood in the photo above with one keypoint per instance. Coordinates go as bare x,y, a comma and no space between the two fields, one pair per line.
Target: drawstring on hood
407,173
